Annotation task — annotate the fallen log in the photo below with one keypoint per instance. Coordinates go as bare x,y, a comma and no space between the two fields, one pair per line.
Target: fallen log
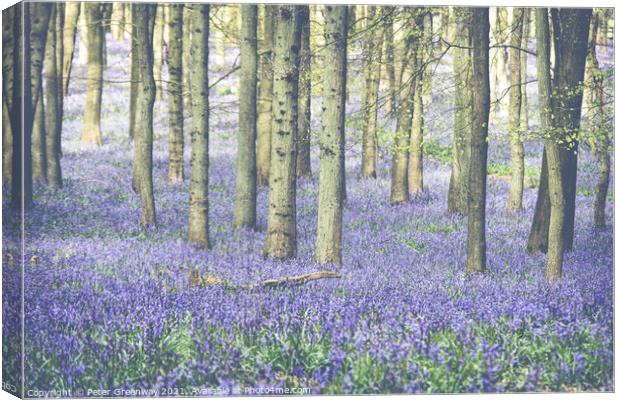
210,280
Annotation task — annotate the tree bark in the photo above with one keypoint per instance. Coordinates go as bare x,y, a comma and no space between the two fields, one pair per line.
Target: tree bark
388,20
72,13
463,115
281,240
373,47
82,27
265,98
117,25
198,226
187,45
158,50
91,131
517,151
525,121
135,82
175,94
305,95
54,96
331,182
143,16
476,236
39,163
555,254
244,214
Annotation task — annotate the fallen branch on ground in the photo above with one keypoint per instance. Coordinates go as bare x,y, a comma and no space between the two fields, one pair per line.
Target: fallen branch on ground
211,280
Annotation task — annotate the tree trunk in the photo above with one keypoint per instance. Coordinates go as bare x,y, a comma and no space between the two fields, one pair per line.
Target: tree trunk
388,20
463,116
135,82
39,163
82,27
517,151
415,169
331,182
281,240
198,226
91,131
187,45
54,95
373,47
72,13
570,53
476,237
118,21
244,214
143,16
525,121
8,73
220,38
175,94
158,50
555,254
305,94
265,97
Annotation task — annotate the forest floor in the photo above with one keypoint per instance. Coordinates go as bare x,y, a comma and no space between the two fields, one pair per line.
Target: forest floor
108,305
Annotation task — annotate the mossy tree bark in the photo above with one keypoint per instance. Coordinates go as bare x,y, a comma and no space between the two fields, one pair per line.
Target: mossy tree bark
158,50
371,53
265,97
39,163
527,21
198,225
134,80
8,73
143,16
281,240
331,176
388,13
72,13
175,94
517,151
187,45
244,214
476,235
463,115
91,130
305,96
54,96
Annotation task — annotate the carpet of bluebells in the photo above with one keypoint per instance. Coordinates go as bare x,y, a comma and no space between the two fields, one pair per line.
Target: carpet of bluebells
108,306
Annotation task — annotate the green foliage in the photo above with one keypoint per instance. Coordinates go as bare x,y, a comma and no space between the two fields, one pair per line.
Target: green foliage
435,150
531,178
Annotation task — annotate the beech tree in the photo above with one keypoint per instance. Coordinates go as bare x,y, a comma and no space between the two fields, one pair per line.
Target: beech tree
72,13
517,151
91,129
198,223
463,113
331,174
143,17
305,96
244,214
175,94
265,97
476,219
281,240
54,96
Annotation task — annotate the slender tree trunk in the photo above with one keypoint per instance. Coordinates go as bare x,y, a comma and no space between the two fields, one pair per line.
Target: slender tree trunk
373,47
555,254
175,94
305,94
525,121
265,97
388,19
135,82
220,38
82,28
415,169
158,50
463,115
72,13
517,151
54,95
331,182
198,226
91,131
244,214
8,72
143,16
281,240
476,236
7,134
39,163
187,32
117,21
